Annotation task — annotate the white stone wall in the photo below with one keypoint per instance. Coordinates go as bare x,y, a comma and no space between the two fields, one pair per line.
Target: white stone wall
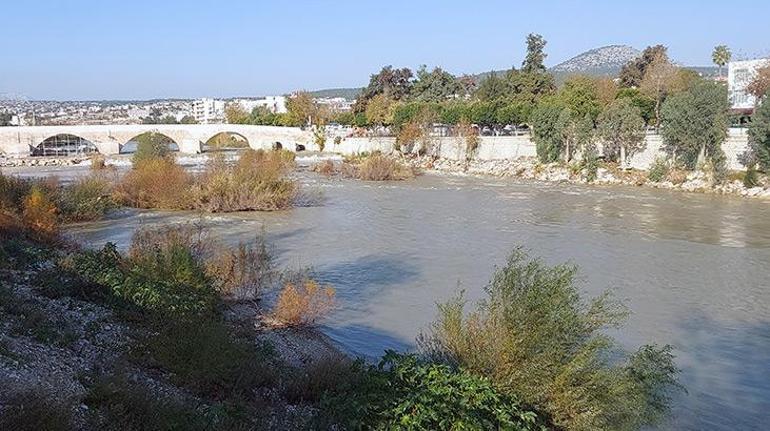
513,147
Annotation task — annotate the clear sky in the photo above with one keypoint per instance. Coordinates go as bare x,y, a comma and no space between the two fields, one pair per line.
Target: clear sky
137,49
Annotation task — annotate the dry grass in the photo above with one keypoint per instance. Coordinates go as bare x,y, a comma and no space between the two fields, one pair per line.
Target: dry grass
378,167
99,163
39,213
325,168
155,183
257,182
242,273
303,304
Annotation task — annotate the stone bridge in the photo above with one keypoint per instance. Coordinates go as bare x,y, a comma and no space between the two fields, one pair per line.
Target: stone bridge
110,139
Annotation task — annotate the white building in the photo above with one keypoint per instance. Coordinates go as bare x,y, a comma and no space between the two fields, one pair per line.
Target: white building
274,104
739,76
208,111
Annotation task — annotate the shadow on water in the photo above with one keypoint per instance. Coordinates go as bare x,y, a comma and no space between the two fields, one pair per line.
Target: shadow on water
366,276
355,339
726,370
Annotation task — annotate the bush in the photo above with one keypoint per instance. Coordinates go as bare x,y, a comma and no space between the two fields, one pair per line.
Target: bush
176,290
151,146
34,410
243,272
127,405
751,178
659,170
39,213
98,162
256,183
155,183
204,356
12,192
87,199
536,338
405,393
325,168
303,304
378,167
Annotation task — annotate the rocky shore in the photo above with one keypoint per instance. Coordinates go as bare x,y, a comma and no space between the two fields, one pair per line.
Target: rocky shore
532,169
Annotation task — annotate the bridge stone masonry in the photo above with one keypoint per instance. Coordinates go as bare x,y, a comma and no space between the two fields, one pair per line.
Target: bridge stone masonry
110,139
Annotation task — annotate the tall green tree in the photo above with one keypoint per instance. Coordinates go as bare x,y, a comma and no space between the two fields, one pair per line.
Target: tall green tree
580,95
491,88
534,62
548,130
437,85
621,129
759,135
695,122
395,84
721,56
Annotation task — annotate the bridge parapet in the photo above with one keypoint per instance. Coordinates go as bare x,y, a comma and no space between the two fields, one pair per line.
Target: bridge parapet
108,139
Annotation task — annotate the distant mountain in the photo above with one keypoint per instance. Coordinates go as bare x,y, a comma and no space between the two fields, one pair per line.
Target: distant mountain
604,61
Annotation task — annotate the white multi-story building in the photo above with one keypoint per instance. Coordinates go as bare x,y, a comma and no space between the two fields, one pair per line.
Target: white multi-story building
739,76
208,111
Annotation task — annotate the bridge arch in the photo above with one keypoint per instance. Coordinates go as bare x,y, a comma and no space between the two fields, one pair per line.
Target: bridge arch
224,141
130,145
64,144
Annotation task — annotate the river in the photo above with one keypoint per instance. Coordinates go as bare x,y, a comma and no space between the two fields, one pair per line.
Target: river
693,269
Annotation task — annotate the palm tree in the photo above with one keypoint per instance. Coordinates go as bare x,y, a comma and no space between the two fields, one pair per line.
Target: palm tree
721,56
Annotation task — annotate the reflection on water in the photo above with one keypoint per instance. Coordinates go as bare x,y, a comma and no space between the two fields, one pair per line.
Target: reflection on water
694,269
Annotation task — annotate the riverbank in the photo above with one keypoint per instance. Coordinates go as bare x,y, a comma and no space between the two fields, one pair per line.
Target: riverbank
608,174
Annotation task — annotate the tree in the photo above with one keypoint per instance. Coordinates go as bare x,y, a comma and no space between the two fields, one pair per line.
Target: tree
633,72
547,130
621,129
695,122
235,114
393,83
759,135
379,110
491,88
721,56
534,61
151,146
301,109
577,132
434,86
188,119
760,85
580,95
645,104
659,77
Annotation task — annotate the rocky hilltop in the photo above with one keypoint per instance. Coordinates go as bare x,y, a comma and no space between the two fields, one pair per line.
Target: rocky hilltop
598,61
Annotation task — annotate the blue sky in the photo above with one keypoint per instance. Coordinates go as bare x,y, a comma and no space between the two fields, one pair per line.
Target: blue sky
154,49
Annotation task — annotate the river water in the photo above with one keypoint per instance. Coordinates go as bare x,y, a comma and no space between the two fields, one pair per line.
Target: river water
693,269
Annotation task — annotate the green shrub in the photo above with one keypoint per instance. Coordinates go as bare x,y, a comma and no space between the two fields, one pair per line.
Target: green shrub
203,355
405,393
150,146
127,405
751,178
659,170
144,288
535,338
34,410
86,199
12,192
